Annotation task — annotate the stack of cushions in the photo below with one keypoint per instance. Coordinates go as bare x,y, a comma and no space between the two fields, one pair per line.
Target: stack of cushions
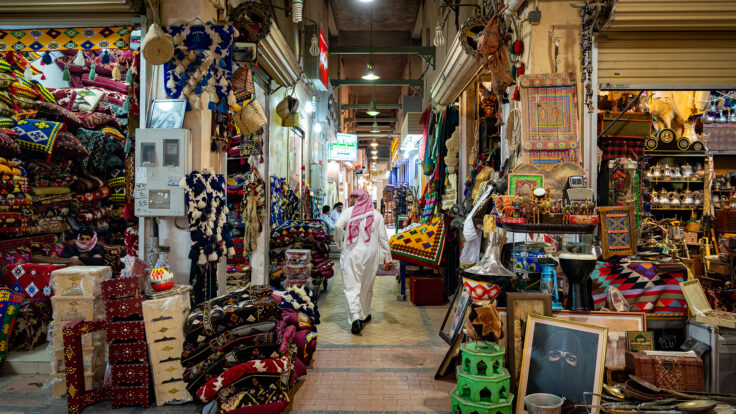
15,201
51,195
245,351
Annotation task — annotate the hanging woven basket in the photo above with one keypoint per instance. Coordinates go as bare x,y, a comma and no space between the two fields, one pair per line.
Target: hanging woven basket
251,118
157,47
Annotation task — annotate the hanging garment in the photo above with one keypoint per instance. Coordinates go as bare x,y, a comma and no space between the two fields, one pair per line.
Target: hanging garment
359,261
471,249
253,210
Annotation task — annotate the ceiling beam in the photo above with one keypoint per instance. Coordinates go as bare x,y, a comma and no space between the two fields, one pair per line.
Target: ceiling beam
417,83
367,135
383,50
369,120
345,107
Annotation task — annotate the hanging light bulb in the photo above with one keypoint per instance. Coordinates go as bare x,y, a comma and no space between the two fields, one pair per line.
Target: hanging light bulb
374,144
372,111
314,49
296,10
370,72
439,36
374,128
374,152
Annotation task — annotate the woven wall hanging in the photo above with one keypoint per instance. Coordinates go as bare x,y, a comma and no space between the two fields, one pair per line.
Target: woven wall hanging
201,68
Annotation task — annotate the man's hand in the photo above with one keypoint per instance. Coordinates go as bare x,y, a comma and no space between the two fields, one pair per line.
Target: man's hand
75,257
97,256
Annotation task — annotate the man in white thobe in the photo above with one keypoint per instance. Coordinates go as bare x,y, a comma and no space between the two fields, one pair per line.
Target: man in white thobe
360,233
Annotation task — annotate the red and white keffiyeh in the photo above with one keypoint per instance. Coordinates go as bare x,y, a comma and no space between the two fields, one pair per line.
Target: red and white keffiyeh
362,209
85,247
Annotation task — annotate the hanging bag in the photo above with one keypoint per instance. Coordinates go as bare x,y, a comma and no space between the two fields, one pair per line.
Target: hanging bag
422,245
157,47
251,118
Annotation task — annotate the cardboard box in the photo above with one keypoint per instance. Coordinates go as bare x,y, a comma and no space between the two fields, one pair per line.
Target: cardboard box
698,306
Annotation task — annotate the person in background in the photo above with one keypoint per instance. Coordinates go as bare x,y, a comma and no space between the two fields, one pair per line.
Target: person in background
86,249
325,216
361,235
336,211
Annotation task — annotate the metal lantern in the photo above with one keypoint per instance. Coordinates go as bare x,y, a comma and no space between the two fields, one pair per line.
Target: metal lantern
439,36
296,10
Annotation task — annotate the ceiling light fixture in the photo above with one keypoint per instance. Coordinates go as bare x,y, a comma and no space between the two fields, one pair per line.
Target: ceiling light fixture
314,48
374,144
370,71
439,36
374,152
296,10
366,1
374,127
372,111
375,157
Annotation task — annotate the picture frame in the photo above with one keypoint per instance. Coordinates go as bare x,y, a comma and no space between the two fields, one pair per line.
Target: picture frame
167,113
639,341
618,323
245,51
519,305
458,310
618,237
519,182
452,353
556,349
668,330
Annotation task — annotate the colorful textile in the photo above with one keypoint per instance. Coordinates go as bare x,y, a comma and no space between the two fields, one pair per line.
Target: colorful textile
550,131
646,286
618,233
31,280
70,146
422,245
209,390
34,40
8,146
278,200
621,147
202,63
92,196
9,304
15,201
37,135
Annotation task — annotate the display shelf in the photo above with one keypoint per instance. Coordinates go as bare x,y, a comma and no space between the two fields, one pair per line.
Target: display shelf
660,181
548,228
702,154
677,208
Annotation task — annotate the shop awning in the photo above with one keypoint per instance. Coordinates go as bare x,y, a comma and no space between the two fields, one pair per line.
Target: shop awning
277,58
673,15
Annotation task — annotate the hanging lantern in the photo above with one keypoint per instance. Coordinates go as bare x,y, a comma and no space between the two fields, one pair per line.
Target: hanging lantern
296,10
314,49
439,36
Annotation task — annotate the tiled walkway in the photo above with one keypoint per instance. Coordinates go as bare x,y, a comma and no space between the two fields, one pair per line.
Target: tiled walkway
388,368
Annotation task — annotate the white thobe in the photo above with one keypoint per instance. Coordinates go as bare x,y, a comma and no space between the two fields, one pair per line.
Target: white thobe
359,262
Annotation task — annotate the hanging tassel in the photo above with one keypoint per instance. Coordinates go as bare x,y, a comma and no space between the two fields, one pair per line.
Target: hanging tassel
521,69
43,76
189,106
28,73
222,63
212,106
92,73
46,59
126,105
198,90
105,59
128,146
129,76
231,99
66,76
116,72
517,95
223,106
170,84
79,59
518,47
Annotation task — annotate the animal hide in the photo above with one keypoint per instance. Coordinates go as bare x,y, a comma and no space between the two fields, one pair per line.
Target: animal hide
500,68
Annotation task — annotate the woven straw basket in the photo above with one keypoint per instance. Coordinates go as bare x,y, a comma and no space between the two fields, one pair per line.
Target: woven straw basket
157,47
251,118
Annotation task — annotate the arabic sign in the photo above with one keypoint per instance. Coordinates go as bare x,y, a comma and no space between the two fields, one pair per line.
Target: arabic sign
345,148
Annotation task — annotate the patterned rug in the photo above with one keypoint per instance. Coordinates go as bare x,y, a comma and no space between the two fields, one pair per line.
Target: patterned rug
647,287
550,133
422,245
91,38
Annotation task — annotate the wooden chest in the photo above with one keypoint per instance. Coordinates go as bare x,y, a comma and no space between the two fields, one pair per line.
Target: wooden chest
671,372
79,280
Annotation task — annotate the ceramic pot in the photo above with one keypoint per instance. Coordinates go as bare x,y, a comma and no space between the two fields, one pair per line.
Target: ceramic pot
161,279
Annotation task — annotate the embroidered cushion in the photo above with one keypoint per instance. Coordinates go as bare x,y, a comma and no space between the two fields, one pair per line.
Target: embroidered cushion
9,304
87,100
37,135
70,146
8,146
31,280
32,325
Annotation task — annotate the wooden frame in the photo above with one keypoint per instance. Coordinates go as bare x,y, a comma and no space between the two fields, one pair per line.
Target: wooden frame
516,181
618,323
519,305
572,344
461,304
609,252
668,330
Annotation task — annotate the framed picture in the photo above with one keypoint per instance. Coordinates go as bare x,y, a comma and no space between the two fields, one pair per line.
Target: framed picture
519,305
167,113
245,51
563,358
618,323
617,231
523,184
639,341
458,310
668,330
446,365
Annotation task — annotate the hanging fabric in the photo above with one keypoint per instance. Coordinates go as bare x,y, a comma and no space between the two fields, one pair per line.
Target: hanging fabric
90,38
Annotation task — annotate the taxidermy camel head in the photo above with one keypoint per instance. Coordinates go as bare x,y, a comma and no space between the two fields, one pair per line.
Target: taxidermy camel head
662,111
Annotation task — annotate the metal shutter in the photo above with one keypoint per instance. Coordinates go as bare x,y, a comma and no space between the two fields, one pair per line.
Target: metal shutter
666,60
673,15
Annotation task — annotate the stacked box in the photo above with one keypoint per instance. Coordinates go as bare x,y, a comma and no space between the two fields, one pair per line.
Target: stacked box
483,384
77,296
126,338
165,315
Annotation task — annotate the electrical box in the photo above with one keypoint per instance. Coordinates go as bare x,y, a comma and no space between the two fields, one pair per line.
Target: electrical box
163,157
